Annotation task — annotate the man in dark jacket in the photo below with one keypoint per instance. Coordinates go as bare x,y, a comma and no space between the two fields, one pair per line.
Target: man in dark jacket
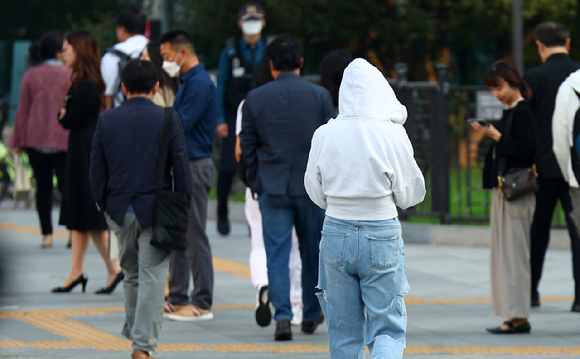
553,41
279,119
124,168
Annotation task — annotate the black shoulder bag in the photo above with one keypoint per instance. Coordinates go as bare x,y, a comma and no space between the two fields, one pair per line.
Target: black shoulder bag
515,182
169,207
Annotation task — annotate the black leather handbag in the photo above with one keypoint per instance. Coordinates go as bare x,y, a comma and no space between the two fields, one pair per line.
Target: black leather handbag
169,207
515,182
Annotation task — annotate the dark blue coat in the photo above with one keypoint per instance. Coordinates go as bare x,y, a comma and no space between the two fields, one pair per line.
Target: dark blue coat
278,121
125,159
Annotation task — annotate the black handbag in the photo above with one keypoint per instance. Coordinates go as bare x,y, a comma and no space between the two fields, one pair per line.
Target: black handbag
169,207
516,182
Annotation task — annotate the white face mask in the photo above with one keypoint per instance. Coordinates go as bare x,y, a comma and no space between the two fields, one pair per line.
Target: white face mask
171,67
252,27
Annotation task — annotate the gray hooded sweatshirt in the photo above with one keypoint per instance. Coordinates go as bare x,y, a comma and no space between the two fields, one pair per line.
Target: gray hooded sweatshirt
361,164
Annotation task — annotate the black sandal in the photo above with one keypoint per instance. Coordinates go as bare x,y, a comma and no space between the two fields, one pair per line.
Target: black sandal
523,328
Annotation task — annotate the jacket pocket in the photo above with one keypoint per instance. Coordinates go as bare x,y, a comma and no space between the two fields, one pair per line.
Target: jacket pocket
383,251
332,247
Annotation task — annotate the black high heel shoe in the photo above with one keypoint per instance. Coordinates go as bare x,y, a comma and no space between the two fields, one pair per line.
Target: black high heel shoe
111,288
83,279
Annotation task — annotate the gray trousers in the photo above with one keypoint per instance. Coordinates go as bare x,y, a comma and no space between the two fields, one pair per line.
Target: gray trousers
197,258
145,269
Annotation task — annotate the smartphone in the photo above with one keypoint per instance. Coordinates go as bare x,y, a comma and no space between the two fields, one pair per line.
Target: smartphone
480,121
65,102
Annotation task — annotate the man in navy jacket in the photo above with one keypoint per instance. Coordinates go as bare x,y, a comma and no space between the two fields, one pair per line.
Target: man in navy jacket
124,168
279,119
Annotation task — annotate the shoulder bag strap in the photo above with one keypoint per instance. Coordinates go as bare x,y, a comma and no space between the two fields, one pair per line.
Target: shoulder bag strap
163,150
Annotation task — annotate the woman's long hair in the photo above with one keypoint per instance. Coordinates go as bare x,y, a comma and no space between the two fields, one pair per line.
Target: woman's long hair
88,60
154,50
507,71
331,69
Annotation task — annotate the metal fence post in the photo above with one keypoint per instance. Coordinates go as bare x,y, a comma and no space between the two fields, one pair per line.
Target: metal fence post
440,145
405,96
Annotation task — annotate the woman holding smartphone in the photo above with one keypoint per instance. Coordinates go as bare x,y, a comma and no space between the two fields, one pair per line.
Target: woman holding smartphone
510,221
80,113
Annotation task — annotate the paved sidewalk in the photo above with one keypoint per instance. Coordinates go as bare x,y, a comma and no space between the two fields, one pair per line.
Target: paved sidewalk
448,306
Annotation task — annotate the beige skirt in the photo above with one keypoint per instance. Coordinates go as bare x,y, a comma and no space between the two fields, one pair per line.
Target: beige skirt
511,222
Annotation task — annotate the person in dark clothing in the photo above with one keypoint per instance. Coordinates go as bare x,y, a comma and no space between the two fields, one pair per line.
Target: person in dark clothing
236,77
124,169
80,114
510,221
553,41
279,119
195,104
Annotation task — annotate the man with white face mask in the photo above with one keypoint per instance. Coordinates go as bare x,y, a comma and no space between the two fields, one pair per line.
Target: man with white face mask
195,104
235,79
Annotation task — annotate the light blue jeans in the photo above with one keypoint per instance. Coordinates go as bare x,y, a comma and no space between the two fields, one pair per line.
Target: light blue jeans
363,284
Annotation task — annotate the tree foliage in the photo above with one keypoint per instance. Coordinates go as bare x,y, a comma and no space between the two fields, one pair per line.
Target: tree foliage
466,34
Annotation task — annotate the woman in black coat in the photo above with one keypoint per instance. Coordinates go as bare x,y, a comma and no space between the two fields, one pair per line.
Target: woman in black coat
510,220
80,114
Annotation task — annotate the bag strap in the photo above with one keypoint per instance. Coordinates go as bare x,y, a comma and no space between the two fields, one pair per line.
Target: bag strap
163,150
501,164
515,216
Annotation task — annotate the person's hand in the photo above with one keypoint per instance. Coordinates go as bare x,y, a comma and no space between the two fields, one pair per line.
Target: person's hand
222,130
61,113
489,131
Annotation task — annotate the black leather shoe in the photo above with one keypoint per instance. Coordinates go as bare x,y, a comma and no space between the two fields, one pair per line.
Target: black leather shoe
535,302
111,288
263,313
83,279
283,330
576,307
309,326
223,226
523,328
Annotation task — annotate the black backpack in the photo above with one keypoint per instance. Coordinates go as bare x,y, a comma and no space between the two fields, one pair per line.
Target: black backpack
123,59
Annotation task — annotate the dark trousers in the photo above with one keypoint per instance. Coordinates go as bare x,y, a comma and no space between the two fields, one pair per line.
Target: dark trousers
279,215
552,190
44,166
228,166
197,258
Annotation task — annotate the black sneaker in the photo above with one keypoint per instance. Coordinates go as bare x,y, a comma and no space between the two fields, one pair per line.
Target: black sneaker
309,326
576,306
263,314
223,226
283,330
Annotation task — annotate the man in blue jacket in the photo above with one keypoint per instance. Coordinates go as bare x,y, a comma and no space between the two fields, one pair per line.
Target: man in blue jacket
279,119
195,103
124,168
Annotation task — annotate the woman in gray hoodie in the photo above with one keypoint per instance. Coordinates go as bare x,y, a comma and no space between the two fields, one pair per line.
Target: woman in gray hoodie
360,168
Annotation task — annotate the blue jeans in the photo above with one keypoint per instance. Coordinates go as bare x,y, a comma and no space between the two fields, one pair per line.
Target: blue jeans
279,215
362,268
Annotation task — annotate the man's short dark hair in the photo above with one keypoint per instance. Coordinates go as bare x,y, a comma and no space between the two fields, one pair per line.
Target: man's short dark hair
132,20
178,38
552,34
139,76
285,53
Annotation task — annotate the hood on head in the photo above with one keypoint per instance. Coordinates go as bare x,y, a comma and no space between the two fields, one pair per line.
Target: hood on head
365,92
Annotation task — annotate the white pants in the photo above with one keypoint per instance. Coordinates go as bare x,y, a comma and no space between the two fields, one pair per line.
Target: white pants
258,269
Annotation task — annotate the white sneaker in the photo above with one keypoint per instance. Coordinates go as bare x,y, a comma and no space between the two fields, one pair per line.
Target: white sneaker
296,315
191,313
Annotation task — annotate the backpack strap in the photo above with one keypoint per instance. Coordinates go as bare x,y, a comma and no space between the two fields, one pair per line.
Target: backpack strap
123,59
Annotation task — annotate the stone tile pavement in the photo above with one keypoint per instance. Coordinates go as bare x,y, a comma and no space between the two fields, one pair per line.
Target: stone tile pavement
448,306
